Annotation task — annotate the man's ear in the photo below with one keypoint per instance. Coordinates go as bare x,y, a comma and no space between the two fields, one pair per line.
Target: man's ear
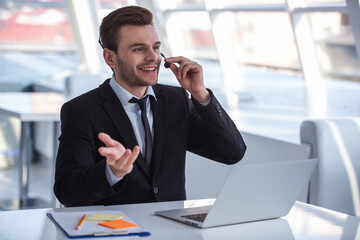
110,57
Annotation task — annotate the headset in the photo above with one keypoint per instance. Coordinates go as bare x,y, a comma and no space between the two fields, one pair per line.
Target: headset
167,64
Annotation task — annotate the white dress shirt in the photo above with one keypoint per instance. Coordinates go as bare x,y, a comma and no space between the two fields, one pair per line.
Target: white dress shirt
134,113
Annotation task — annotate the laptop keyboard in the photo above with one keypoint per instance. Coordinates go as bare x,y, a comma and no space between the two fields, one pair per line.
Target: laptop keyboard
197,217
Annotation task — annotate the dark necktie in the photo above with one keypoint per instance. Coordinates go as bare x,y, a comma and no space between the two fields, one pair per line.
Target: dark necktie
148,138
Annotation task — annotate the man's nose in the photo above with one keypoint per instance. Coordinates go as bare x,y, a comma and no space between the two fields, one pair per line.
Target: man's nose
152,55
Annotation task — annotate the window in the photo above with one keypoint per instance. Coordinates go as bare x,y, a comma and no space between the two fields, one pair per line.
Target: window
335,45
191,38
249,34
216,4
180,4
35,26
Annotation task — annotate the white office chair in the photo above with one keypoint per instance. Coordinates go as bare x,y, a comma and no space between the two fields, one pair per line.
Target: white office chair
335,183
81,82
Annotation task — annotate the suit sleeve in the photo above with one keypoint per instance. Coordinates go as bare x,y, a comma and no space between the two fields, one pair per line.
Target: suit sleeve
80,170
212,133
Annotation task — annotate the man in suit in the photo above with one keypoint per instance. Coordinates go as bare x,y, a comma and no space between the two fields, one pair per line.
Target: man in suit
114,150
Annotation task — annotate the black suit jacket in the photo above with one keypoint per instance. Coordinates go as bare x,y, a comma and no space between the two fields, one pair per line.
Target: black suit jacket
180,124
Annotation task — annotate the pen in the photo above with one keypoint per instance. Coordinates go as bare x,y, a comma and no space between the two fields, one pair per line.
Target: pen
81,222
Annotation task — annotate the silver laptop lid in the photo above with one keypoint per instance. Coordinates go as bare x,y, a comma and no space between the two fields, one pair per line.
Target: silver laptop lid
260,191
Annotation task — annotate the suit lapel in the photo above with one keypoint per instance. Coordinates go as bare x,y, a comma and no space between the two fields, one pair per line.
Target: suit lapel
117,114
160,118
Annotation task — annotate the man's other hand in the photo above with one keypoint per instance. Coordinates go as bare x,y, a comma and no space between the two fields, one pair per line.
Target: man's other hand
119,159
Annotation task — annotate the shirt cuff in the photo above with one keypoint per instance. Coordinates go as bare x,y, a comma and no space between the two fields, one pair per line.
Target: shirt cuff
112,179
203,104
207,103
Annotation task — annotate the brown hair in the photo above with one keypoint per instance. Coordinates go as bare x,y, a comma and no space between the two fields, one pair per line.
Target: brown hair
130,15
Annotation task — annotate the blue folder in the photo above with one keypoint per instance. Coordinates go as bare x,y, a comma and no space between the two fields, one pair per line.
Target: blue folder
113,233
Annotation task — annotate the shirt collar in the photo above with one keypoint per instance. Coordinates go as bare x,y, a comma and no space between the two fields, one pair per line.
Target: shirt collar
123,95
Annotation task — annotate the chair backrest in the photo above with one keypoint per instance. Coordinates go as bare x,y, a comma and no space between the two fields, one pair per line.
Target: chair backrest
335,184
81,82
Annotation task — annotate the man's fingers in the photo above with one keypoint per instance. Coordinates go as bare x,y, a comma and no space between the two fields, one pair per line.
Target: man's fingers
109,142
184,69
116,159
179,59
124,164
174,68
128,157
133,156
104,137
111,153
185,66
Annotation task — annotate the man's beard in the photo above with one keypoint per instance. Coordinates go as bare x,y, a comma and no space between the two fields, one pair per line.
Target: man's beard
128,75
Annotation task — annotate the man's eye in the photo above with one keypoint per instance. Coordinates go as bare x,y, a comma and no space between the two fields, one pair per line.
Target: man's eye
138,49
156,48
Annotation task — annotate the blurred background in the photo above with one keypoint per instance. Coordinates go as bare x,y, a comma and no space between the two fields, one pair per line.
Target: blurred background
271,63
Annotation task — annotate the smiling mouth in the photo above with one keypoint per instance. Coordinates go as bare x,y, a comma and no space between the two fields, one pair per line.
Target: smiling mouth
148,69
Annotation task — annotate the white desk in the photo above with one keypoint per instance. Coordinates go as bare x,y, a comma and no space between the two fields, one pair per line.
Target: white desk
30,107
303,222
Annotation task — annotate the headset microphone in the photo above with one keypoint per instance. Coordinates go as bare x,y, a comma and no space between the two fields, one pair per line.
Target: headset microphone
167,64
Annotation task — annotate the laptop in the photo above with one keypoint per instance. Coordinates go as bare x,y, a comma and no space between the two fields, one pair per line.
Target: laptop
251,192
